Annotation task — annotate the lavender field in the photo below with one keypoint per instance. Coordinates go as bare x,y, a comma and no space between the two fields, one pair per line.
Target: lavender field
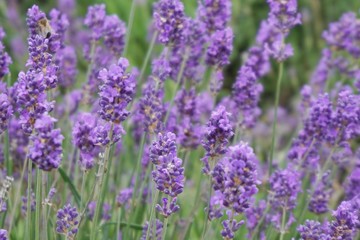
180,119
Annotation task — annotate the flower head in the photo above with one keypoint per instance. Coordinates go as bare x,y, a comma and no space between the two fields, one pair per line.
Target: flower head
67,221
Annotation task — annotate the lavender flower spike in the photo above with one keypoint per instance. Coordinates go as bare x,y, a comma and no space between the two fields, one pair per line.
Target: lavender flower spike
67,221
46,150
116,92
3,234
5,112
5,59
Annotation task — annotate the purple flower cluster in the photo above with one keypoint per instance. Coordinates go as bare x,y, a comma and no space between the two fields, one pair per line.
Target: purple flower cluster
169,173
108,27
5,59
158,233
319,200
46,150
116,92
215,14
24,201
169,21
216,137
3,234
5,112
67,221
124,197
105,212
235,177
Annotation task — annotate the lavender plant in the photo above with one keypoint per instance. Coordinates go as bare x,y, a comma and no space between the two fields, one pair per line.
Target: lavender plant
138,120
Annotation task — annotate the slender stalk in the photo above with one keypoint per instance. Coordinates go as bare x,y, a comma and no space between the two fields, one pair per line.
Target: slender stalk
147,58
165,228
38,203
83,188
277,98
100,194
282,233
44,209
178,82
206,222
154,202
130,24
137,173
118,223
17,196
28,210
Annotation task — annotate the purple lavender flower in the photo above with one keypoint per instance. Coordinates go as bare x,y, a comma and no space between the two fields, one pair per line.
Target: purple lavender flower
67,221
5,112
46,150
169,21
95,19
352,188
217,134
124,197
246,90
319,121
82,138
34,15
169,173
167,209
150,109
116,92
3,234
216,206
237,179
319,200
5,59
283,15
220,48
60,23
114,32
164,146
312,230
253,215
230,227
24,201
100,135
158,232
323,69
285,186
344,225
161,67
215,14
347,117
105,212
66,57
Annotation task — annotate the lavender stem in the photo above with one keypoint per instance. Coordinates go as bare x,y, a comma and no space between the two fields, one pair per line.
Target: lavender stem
277,98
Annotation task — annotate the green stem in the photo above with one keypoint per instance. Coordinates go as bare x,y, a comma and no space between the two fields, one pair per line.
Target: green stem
38,203
165,228
137,174
178,82
154,202
44,216
83,188
130,24
147,58
17,196
28,210
118,224
100,196
282,233
206,222
277,98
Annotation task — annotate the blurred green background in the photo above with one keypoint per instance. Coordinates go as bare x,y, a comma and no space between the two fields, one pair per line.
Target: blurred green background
247,15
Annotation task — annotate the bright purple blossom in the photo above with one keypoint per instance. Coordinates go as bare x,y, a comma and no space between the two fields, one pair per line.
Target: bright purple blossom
3,234
116,92
320,198
46,149
283,15
345,222
169,21
5,112
5,59
114,32
95,19
220,48
67,60
67,221
215,14
158,233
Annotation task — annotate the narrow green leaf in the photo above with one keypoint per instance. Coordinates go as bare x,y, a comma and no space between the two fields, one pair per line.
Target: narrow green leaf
75,193
123,224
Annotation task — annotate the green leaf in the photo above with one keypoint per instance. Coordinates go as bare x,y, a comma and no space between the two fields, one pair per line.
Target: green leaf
75,193
123,224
